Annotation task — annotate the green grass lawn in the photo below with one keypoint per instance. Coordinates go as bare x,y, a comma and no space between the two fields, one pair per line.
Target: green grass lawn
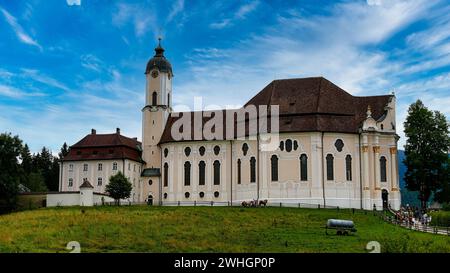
203,229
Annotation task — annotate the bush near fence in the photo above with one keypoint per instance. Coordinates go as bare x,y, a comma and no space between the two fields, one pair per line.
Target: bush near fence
440,218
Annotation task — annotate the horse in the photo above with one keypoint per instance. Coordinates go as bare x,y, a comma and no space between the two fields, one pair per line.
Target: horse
263,202
245,204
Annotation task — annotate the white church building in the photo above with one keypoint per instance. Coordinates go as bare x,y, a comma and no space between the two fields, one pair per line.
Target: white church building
332,149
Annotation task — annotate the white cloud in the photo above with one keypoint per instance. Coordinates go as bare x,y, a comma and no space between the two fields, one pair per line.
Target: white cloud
18,29
13,92
39,77
240,14
73,2
177,7
143,18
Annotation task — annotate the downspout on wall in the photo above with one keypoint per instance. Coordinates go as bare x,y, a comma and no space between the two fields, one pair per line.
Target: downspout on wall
360,172
231,170
323,175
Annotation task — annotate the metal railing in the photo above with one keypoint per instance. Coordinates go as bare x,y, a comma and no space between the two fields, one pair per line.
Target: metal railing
416,226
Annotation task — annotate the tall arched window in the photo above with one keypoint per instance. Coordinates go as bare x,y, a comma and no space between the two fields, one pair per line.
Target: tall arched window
216,172
201,172
383,169
330,167
187,173
168,99
348,167
166,174
303,167
239,171
154,98
274,165
252,169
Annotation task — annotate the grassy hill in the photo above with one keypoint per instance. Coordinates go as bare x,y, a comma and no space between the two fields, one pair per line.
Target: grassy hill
203,229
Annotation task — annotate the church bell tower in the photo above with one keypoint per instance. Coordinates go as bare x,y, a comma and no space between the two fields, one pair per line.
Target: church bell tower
158,105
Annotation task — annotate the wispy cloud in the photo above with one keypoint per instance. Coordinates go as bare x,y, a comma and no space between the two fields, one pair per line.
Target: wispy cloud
143,17
13,92
176,8
39,77
18,29
240,14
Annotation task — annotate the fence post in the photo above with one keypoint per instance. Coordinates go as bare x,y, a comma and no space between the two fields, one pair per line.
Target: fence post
337,208
299,205
178,203
280,204
212,203
195,203
318,206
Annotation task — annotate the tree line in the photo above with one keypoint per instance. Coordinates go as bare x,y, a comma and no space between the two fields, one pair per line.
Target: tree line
21,171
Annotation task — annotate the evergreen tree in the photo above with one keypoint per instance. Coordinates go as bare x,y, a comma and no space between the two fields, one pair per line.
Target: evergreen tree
426,150
64,151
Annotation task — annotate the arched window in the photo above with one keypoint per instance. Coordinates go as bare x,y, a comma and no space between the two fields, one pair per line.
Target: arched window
166,174
383,169
281,145
239,171
70,182
348,167
216,172
288,145
166,152
187,173
154,98
330,167
201,172
252,169
303,167
274,165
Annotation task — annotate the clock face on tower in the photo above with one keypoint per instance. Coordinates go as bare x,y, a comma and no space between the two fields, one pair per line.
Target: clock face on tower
155,73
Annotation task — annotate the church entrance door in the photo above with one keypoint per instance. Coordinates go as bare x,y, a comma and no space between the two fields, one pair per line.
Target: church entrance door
384,197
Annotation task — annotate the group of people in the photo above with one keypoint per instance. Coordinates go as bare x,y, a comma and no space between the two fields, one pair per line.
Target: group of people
413,215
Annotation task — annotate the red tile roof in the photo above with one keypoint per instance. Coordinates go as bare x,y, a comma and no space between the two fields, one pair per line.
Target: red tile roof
105,147
305,105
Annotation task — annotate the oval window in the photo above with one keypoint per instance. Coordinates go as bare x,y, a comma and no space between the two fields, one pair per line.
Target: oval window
339,144
187,151
165,195
202,150
216,194
245,149
288,145
202,194
150,182
166,152
216,150
282,145
186,194
295,145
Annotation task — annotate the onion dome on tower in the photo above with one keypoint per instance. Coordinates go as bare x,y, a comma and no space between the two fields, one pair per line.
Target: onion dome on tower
159,61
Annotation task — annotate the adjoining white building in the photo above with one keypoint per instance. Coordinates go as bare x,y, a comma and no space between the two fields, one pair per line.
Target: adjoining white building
334,149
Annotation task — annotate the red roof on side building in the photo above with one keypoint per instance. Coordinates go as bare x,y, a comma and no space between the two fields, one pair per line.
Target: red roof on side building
104,147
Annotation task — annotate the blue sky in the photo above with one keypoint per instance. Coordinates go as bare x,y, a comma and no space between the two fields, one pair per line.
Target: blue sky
68,65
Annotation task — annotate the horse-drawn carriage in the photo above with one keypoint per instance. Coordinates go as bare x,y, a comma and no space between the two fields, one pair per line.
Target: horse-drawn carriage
342,227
